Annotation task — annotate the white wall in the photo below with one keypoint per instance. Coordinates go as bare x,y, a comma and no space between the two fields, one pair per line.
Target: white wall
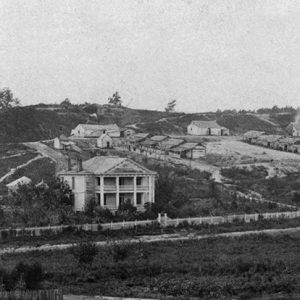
79,191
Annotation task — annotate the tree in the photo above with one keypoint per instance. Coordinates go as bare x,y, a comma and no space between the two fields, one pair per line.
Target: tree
7,99
171,106
66,103
44,204
115,99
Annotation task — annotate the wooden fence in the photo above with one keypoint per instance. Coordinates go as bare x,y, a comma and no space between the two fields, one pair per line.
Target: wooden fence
165,221
32,295
161,220
48,230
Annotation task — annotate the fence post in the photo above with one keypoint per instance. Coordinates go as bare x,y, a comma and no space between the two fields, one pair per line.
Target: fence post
159,218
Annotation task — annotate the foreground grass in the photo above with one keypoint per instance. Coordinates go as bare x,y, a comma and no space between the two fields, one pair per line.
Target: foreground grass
242,267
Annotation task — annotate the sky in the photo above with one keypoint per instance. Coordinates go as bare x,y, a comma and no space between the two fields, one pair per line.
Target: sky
208,55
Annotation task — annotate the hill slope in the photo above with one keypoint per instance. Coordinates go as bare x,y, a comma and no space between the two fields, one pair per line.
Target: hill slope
33,123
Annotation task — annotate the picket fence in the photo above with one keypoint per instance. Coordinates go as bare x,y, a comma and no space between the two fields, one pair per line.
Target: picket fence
165,221
32,295
161,220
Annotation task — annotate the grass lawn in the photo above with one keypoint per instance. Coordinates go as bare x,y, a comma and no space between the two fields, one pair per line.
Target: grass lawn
216,268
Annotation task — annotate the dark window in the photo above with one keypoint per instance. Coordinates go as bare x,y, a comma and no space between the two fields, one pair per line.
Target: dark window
98,198
121,199
139,180
121,181
105,199
98,180
139,198
73,183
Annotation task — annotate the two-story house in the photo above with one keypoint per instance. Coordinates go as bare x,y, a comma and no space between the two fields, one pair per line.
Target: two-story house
110,181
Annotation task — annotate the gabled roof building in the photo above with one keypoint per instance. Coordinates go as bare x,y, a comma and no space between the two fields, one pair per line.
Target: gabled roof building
95,130
110,181
206,128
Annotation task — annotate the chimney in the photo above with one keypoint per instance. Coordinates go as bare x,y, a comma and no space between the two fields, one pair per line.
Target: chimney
79,164
69,164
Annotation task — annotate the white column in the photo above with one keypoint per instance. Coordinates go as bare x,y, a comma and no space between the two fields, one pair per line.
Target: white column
134,191
152,188
117,192
101,191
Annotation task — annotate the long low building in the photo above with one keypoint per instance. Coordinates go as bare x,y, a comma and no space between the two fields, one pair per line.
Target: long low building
252,135
188,150
95,130
206,128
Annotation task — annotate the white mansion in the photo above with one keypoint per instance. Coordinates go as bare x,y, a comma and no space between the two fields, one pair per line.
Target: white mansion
110,181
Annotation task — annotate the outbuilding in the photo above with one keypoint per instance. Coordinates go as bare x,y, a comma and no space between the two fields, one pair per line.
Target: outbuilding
14,185
206,128
105,141
188,150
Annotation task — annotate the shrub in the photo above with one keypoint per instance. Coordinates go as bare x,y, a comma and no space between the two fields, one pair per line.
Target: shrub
119,250
84,252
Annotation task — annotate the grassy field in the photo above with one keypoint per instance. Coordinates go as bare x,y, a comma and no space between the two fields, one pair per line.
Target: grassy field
13,155
217,268
280,189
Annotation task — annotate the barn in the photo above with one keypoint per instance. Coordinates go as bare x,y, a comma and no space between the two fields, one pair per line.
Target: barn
206,128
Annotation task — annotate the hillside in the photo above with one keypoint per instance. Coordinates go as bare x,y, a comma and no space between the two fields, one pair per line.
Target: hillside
33,123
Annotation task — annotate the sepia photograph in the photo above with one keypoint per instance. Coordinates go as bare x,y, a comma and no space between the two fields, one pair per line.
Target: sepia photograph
149,149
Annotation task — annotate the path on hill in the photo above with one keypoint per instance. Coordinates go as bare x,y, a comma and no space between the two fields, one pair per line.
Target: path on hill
56,156
13,170
158,238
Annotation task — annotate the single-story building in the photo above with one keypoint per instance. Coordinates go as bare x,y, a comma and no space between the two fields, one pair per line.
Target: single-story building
133,141
14,185
104,141
267,140
95,130
65,144
206,128
188,150
168,144
295,127
252,135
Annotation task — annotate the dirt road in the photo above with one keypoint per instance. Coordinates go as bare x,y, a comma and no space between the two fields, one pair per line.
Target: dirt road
56,156
158,238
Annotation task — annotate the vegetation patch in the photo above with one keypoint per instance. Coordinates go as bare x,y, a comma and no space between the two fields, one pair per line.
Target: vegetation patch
244,267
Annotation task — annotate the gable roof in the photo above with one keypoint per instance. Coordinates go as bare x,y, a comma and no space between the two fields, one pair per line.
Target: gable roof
169,143
206,124
22,180
269,138
137,137
104,136
187,146
149,142
110,165
94,127
253,134
158,138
